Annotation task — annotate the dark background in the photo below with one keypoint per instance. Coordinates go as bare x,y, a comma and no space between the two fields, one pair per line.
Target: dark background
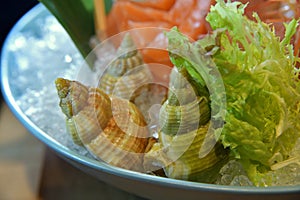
10,12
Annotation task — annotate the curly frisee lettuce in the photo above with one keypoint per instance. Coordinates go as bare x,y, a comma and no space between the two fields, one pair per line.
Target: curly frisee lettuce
260,77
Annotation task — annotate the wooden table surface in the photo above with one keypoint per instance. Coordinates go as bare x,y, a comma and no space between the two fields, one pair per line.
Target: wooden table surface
31,171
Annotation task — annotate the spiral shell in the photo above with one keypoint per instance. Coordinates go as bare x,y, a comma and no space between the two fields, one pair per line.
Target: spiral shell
188,115
112,129
125,73
184,122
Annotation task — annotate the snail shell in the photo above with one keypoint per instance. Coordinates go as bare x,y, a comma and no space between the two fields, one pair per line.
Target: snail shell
127,72
188,115
184,121
183,111
112,129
